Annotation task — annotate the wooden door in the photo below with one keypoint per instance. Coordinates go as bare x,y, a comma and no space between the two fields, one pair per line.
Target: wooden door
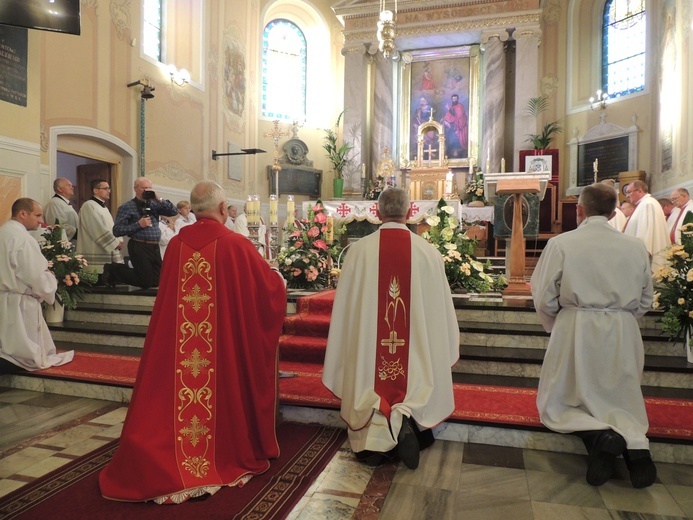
89,172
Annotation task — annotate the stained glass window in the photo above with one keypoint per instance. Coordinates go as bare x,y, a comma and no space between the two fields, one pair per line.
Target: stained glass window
151,29
283,71
623,47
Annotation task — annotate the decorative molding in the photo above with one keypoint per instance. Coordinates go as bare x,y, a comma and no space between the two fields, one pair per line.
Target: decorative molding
120,15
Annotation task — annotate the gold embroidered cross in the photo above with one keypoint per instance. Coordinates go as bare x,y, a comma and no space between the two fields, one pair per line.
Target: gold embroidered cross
393,342
195,363
194,431
196,298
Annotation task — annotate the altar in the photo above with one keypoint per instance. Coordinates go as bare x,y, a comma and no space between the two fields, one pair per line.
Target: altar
347,211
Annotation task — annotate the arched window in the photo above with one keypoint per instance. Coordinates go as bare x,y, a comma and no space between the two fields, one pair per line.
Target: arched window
283,71
623,47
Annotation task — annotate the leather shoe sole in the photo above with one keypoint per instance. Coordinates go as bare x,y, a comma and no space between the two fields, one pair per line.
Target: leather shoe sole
408,445
602,460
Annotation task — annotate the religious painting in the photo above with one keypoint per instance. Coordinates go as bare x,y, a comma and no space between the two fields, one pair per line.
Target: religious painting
442,85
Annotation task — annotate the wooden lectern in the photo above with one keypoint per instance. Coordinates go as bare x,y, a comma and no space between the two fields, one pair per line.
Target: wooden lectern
516,184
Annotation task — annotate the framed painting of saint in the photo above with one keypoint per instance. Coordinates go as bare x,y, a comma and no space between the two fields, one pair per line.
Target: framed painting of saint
442,85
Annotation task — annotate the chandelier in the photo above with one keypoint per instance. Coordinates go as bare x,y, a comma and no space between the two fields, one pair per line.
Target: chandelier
386,29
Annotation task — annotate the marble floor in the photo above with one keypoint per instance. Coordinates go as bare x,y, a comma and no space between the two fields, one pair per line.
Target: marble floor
40,432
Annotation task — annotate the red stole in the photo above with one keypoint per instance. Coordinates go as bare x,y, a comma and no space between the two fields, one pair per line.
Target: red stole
195,386
392,340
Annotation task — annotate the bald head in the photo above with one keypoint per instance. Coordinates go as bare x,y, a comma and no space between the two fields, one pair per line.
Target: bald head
208,200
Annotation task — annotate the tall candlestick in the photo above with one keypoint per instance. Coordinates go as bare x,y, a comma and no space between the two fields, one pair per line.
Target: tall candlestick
503,165
274,210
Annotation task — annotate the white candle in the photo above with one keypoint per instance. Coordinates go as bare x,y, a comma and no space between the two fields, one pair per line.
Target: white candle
274,210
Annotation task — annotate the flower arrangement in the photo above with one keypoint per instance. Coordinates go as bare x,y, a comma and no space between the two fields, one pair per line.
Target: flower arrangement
308,258
375,188
674,287
336,153
463,270
67,267
474,191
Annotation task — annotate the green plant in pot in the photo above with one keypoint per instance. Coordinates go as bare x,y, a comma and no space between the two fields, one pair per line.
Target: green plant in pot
541,141
337,154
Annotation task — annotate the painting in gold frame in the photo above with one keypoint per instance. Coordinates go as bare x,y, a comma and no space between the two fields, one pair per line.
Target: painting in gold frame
446,81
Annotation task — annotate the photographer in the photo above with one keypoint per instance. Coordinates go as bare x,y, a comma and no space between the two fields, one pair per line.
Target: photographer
138,218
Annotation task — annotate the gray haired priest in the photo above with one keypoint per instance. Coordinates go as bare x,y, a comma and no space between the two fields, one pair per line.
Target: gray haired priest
393,338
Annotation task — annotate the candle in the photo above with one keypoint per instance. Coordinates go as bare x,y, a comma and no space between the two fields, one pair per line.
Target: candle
274,210
329,230
363,170
503,165
290,208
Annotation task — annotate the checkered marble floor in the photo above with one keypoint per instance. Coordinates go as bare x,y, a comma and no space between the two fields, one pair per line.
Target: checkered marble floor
40,432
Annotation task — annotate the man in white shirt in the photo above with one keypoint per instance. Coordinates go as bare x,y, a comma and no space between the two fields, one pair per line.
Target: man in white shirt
682,200
25,282
647,223
590,379
59,209
393,339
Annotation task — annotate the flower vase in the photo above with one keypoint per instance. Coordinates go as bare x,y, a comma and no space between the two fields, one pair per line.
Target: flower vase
54,313
338,185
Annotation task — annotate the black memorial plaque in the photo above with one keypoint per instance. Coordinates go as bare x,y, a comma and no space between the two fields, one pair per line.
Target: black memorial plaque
13,63
296,181
612,155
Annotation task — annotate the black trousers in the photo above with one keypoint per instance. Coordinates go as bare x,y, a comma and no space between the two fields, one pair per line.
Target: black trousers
146,266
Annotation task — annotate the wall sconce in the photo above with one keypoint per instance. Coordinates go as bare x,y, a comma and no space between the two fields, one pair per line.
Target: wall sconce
147,89
179,77
599,103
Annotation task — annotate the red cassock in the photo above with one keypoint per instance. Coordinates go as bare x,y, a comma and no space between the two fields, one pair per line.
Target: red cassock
203,409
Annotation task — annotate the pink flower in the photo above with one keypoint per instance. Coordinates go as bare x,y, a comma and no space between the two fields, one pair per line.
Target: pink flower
320,244
313,232
320,218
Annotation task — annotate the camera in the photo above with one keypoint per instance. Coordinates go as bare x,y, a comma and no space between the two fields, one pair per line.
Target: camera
148,194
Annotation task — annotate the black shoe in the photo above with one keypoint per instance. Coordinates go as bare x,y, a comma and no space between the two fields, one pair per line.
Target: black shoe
107,276
407,444
602,458
643,472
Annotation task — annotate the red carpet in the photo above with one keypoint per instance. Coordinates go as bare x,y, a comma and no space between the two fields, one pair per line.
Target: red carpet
302,351
73,491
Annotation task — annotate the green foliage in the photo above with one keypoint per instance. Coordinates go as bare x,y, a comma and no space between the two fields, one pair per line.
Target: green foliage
336,153
307,260
674,287
67,267
463,270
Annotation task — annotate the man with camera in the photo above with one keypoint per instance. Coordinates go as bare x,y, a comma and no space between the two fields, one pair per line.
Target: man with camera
138,218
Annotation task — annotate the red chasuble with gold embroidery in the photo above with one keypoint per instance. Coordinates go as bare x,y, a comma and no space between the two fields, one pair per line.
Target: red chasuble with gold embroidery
202,413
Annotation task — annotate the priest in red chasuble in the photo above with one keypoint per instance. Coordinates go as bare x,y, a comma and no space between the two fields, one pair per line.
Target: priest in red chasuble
393,339
202,413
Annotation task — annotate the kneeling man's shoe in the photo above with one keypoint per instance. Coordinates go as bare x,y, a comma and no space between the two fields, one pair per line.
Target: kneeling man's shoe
643,472
407,444
602,458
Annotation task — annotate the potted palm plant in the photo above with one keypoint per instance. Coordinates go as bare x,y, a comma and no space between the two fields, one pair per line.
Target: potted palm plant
337,154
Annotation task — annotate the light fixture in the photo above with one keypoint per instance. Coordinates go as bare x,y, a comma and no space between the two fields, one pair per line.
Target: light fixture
179,77
147,89
387,30
599,102
244,151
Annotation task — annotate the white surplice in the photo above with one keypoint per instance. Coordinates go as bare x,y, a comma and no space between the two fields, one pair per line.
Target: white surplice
96,239
649,224
349,370
25,282
58,209
589,287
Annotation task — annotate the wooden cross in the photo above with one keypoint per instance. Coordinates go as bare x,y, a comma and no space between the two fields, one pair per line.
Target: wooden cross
392,342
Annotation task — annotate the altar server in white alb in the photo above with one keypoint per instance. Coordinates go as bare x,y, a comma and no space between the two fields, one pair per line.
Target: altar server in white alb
25,282
647,223
59,211
590,286
393,338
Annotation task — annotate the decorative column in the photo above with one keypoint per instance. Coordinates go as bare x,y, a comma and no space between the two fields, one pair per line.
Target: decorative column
493,111
357,74
527,44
